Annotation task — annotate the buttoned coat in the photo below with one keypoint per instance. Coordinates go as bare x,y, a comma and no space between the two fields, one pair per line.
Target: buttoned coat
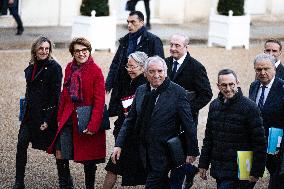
86,147
172,104
192,77
42,96
280,71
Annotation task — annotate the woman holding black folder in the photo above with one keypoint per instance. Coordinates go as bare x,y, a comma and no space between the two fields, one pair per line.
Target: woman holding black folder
129,166
38,121
83,87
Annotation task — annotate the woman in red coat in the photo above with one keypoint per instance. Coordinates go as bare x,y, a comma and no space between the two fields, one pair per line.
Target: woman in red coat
83,86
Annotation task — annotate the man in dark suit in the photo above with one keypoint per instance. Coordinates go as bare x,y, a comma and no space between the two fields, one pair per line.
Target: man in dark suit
191,75
268,92
157,111
274,48
138,39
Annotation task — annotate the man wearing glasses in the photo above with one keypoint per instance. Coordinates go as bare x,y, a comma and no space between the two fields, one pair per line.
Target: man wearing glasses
268,93
274,48
234,124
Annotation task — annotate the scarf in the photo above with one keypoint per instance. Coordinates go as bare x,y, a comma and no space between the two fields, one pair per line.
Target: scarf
148,105
38,67
132,40
74,81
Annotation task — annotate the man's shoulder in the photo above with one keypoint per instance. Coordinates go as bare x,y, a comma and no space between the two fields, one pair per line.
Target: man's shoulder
176,87
150,36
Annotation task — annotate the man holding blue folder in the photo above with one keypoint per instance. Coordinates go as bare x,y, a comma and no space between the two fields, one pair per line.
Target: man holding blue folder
234,126
268,93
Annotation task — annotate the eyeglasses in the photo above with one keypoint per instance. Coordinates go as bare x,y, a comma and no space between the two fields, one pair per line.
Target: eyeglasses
131,67
84,51
270,50
225,85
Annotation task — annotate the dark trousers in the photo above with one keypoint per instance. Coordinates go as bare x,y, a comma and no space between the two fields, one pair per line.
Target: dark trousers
178,175
21,155
234,184
272,164
147,9
157,179
13,8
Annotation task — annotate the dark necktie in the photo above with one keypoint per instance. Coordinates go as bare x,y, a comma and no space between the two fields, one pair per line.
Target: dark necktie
261,98
175,63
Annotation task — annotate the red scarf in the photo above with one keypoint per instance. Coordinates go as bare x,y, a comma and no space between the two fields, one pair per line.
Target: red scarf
74,82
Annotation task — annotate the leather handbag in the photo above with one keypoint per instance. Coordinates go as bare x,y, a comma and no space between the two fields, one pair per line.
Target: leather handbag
84,114
177,149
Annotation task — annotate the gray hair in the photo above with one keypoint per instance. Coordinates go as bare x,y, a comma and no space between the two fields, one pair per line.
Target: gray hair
156,59
263,56
139,57
186,38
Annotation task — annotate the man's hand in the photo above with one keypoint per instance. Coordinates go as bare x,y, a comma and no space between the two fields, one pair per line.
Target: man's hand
115,154
202,173
43,126
253,179
190,159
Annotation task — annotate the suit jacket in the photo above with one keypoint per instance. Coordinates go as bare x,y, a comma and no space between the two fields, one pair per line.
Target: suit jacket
273,108
280,71
193,77
163,126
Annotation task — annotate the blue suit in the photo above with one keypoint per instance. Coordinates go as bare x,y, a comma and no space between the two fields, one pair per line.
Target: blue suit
273,116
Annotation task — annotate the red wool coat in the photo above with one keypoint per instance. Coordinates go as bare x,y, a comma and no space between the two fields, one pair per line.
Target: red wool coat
86,147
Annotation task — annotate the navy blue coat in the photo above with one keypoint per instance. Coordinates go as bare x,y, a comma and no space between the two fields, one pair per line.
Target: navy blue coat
273,109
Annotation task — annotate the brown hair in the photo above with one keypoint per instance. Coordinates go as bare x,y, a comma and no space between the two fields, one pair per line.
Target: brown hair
273,40
35,46
79,41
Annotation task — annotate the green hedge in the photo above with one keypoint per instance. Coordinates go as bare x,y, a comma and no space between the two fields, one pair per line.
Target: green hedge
237,6
100,6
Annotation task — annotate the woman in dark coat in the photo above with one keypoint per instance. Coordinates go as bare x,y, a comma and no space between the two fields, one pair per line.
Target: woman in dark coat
43,84
83,86
128,166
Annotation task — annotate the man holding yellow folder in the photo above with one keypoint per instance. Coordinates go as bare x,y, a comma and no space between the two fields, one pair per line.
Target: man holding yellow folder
234,142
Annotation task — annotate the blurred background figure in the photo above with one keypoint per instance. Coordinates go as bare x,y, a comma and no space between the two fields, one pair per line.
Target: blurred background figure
12,5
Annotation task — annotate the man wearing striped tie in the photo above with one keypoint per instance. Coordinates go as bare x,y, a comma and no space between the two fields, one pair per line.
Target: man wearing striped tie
268,93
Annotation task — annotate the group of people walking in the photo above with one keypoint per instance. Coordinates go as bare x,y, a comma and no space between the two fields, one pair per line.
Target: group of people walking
154,99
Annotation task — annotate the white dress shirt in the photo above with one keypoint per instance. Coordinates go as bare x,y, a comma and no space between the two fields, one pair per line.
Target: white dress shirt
180,61
266,91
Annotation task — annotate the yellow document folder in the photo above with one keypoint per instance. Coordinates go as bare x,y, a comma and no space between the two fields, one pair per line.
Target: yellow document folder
244,164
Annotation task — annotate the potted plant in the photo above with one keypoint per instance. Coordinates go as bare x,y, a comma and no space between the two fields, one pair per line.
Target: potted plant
231,26
96,24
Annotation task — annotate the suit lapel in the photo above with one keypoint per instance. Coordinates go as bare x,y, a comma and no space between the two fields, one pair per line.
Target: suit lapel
272,93
170,66
182,66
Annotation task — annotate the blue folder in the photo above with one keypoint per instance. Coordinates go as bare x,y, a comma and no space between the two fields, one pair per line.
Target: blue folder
274,140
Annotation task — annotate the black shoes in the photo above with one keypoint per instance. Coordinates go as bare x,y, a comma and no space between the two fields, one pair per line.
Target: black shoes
19,185
20,31
188,181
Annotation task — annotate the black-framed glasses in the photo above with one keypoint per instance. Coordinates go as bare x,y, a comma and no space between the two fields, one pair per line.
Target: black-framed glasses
77,51
131,67
225,85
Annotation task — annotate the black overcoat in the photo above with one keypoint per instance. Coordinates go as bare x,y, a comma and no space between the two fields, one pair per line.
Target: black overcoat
42,96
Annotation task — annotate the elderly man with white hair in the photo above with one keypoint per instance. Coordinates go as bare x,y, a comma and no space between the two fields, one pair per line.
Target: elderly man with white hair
158,109
268,93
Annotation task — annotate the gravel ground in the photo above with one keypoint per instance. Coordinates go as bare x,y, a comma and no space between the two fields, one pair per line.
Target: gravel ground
41,170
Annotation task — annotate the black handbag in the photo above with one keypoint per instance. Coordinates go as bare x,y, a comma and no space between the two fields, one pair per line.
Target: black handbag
84,114
177,149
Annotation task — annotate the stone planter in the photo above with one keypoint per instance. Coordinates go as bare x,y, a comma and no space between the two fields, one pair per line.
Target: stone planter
228,31
100,31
